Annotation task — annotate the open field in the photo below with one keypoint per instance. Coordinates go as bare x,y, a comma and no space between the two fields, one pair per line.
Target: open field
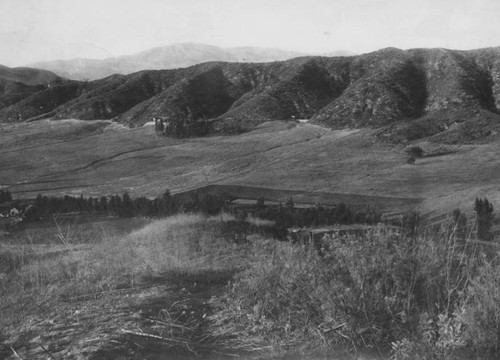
101,158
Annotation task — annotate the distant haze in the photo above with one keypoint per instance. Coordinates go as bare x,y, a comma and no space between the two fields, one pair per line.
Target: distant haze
38,30
165,57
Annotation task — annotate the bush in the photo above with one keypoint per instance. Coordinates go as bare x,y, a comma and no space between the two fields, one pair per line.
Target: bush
415,151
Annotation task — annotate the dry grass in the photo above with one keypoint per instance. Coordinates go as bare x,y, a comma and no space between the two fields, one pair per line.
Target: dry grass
417,292
50,158
366,291
180,246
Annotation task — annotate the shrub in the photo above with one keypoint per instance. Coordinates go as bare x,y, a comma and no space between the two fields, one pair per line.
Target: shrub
484,218
415,151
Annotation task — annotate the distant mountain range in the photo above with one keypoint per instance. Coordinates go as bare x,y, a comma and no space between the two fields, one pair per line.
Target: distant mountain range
166,57
444,95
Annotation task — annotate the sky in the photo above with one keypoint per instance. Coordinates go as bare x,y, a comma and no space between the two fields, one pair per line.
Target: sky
36,30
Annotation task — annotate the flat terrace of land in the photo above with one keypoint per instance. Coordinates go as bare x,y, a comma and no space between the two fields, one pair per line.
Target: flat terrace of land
102,158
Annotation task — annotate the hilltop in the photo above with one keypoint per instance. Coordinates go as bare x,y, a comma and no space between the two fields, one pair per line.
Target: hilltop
160,58
167,57
443,95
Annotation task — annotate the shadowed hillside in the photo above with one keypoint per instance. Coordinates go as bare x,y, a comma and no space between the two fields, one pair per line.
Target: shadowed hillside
27,76
16,84
448,96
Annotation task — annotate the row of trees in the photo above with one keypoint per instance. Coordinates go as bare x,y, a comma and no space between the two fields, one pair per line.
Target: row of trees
288,215
125,206
285,215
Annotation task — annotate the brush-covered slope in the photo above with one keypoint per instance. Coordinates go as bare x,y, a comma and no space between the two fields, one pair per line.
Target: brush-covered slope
13,91
18,84
449,96
28,76
383,87
42,102
307,86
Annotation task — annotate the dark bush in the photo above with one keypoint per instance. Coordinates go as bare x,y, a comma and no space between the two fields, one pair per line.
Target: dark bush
415,151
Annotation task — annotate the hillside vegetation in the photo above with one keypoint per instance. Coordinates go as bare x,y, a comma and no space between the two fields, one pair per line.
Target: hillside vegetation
449,96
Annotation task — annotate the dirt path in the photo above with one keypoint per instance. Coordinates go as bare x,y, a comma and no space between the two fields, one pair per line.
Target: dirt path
147,323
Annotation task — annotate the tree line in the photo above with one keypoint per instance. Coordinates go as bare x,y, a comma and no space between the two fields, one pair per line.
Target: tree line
5,196
289,215
284,214
123,206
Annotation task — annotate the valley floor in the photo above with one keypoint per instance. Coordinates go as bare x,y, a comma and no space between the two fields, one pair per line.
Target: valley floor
101,158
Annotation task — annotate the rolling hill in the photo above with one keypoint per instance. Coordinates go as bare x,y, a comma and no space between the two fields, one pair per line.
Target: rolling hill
445,95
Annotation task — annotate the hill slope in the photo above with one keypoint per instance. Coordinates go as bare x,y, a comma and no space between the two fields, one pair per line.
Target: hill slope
449,96
17,84
28,76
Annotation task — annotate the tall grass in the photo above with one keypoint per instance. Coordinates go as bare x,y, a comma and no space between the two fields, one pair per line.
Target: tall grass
183,245
430,295
427,295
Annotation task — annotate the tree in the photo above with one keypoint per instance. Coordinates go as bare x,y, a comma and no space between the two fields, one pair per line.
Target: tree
5,196
167,204
484,218
104,203
411,160
290,204
415,151
127,208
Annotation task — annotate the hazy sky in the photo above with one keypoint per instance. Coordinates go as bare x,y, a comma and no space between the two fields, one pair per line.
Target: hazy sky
33,30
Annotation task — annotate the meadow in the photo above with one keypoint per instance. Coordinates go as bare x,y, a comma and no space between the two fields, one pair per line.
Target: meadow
55,157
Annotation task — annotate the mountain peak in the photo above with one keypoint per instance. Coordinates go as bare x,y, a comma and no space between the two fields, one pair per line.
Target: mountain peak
173,56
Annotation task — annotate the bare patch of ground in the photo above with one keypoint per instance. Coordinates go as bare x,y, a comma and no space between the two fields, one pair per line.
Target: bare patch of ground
145,322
